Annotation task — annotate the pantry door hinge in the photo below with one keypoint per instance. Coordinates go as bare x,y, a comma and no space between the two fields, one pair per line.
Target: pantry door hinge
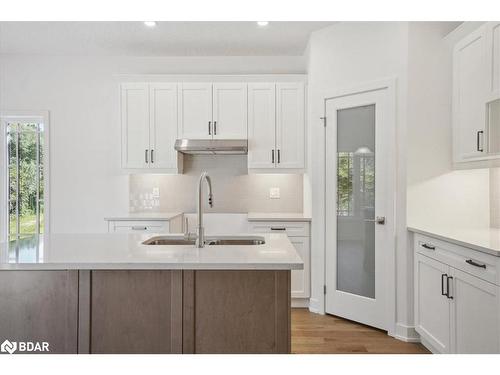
324,121
324,289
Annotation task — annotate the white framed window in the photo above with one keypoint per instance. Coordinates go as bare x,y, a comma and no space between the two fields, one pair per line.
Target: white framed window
24,146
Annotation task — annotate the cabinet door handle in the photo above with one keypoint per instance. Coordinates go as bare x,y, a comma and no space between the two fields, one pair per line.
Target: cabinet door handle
152,159
443,276
475,264
448,278
272,156
139,228
146,155
427,246
210,128
215,127
278,228
478,143
279,158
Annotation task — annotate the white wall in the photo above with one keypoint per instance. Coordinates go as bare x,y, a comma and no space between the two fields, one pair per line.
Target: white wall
81,95
342,56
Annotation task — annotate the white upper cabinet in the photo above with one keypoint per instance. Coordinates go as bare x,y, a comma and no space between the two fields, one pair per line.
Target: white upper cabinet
470,86
476,95
276,126
195,110
290,129
163,125
261,125
229,111
135,125
149,126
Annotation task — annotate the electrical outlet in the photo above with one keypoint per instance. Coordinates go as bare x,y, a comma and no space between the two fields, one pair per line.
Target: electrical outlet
156,192
274,193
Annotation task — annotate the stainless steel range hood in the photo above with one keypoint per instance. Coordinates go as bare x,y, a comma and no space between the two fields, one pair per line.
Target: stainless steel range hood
212,146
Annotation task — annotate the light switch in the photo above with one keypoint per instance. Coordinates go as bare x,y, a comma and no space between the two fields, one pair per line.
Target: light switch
156,192
274,193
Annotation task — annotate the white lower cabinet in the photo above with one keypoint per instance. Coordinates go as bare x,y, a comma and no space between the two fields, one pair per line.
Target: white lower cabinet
456,309
432,308
298,233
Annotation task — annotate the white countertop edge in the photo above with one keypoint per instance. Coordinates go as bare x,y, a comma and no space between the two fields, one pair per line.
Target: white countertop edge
150,266
257,216
144,216
470,245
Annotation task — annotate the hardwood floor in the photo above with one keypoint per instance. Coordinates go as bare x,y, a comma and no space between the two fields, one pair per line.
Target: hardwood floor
327,334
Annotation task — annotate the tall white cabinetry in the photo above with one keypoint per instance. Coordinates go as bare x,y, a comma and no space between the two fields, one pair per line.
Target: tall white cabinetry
213,110
276,128
476,95
457,302
149,126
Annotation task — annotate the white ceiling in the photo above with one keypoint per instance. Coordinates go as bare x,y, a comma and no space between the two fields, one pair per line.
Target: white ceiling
166,39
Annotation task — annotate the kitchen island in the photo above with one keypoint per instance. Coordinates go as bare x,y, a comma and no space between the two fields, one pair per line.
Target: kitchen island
110,293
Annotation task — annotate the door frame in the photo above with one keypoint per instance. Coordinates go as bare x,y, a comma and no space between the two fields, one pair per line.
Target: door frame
389,87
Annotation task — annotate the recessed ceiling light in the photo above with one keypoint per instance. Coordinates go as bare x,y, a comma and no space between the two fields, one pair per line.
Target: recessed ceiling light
150,23
262,23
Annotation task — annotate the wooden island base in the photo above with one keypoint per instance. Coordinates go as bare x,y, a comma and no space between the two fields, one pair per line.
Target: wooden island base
148,311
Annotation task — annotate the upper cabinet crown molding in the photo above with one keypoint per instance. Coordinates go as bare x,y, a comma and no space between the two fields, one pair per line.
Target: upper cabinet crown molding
476,95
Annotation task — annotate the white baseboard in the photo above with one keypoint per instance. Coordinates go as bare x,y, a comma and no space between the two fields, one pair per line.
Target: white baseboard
300,302
314,306
406,333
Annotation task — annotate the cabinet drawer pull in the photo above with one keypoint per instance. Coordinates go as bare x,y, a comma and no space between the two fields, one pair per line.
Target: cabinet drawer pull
479,144
443,276
139,228
278,228
448,278
475,264
427,246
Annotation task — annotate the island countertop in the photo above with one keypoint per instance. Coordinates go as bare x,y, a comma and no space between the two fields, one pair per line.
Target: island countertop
126,251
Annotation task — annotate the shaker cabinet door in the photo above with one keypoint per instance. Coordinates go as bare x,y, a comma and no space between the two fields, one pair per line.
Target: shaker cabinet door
135,125
432,308
195,110
230,110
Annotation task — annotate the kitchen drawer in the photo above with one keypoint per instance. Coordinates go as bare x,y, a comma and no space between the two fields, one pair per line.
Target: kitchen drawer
292,229
133,226
474,262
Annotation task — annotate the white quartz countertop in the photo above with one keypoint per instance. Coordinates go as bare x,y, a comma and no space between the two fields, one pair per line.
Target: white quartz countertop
126,251
277,216
143,216
486,240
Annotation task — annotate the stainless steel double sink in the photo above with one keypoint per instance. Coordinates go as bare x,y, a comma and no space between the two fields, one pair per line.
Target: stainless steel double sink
215,241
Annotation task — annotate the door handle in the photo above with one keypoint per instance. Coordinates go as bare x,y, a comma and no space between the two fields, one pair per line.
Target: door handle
448,278
146,155
478,143
272,156
210,128
152,159
427,246
475,264
379,220
215,127
279,156
443,276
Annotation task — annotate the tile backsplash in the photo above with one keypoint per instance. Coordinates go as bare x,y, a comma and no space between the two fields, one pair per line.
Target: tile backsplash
234,190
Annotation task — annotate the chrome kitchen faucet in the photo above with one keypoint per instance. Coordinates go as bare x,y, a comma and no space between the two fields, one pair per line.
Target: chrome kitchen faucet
200,240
